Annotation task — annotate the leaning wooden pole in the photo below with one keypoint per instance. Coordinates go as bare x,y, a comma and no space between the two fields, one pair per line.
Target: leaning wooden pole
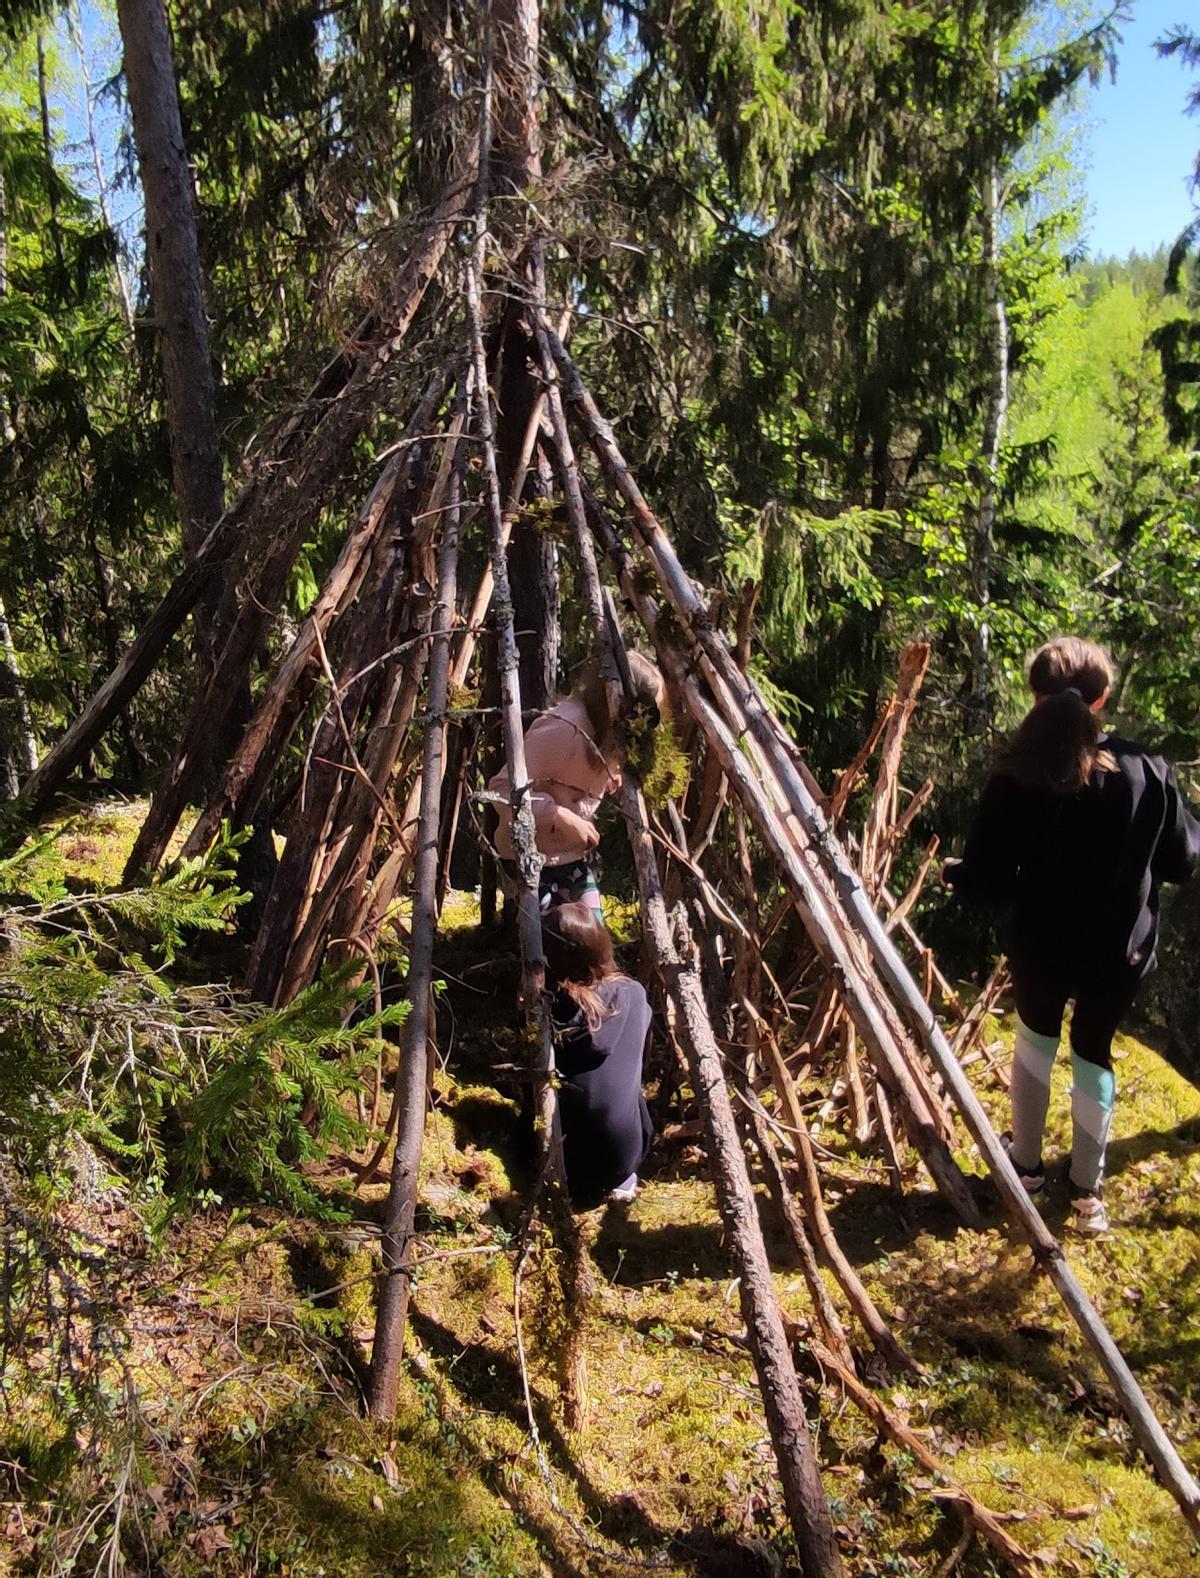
757,723
285,699
783,1402
472,625
528,861
412,1076
300,448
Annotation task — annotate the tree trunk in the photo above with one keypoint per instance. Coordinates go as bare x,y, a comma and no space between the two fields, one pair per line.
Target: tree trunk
8,431
983,540
75,26
516,155
532,555
18,743
176,288
48,150
434,100
518,53
516,165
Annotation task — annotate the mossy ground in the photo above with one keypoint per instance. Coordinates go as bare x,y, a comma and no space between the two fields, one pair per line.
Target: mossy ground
249,1337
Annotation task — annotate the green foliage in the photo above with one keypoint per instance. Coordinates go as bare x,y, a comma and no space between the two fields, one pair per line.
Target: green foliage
187,1085
249,1119
82,466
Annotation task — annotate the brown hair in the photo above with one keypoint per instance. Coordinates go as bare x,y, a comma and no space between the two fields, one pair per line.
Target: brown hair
579,955
649,690
1057,745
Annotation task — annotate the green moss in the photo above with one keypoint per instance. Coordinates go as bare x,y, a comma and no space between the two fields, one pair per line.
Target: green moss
656,759
623,917
1012,1403
460,911
1012,1391
92,843
437,1519
34,1440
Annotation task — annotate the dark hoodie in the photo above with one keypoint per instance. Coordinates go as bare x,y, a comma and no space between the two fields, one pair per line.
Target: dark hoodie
1077,875
606,1123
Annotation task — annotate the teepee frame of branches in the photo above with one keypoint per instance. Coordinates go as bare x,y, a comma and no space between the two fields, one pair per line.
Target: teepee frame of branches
387,645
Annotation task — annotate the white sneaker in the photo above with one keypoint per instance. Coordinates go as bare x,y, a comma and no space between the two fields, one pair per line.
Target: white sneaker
626,1193
1088,1215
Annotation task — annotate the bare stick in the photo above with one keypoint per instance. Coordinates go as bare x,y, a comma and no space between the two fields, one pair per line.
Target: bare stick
887,1133
973,1512
849,779
917,884
803,1492
412,1075
914,662
859,1116
785,1203
891,1350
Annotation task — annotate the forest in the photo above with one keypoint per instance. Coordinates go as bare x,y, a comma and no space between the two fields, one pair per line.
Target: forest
379,381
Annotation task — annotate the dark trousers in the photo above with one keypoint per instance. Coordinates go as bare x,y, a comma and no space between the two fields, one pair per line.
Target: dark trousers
1042,990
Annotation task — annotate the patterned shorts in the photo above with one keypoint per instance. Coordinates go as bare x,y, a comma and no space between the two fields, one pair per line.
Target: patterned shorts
573,883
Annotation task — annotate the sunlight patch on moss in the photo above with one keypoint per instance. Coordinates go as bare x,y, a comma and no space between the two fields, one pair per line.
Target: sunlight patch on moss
460,912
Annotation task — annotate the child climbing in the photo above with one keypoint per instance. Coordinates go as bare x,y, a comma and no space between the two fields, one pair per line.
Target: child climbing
1074,833
601,1020
573,754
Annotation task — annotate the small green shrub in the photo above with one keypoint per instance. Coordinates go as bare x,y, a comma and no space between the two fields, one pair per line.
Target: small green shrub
187,1085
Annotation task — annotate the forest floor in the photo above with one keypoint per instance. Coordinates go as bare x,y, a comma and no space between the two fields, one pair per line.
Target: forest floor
249,1330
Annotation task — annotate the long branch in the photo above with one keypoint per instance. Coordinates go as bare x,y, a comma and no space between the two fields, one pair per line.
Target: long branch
412,1075
804,1495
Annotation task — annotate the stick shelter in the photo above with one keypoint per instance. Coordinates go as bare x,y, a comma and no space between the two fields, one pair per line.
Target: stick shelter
410,661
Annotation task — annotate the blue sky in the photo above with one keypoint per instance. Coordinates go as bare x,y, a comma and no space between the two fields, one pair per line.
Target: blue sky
1141,146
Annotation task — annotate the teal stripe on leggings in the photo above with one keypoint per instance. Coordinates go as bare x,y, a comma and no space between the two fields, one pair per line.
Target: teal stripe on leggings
1094,1081
1047,1045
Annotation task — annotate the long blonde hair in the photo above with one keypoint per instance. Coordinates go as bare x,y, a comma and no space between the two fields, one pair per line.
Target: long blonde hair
579,956
1057,745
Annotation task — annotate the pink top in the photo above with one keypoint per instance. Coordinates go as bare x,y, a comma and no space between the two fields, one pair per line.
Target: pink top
569,777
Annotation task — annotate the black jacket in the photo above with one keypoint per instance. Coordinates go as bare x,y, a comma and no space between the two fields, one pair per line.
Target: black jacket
1077,875
606,1123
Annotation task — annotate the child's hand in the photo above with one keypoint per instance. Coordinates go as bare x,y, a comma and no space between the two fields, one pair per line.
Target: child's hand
592,835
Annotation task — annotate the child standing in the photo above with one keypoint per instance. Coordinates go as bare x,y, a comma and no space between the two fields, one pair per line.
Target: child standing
601,1020
573,755
1074,833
